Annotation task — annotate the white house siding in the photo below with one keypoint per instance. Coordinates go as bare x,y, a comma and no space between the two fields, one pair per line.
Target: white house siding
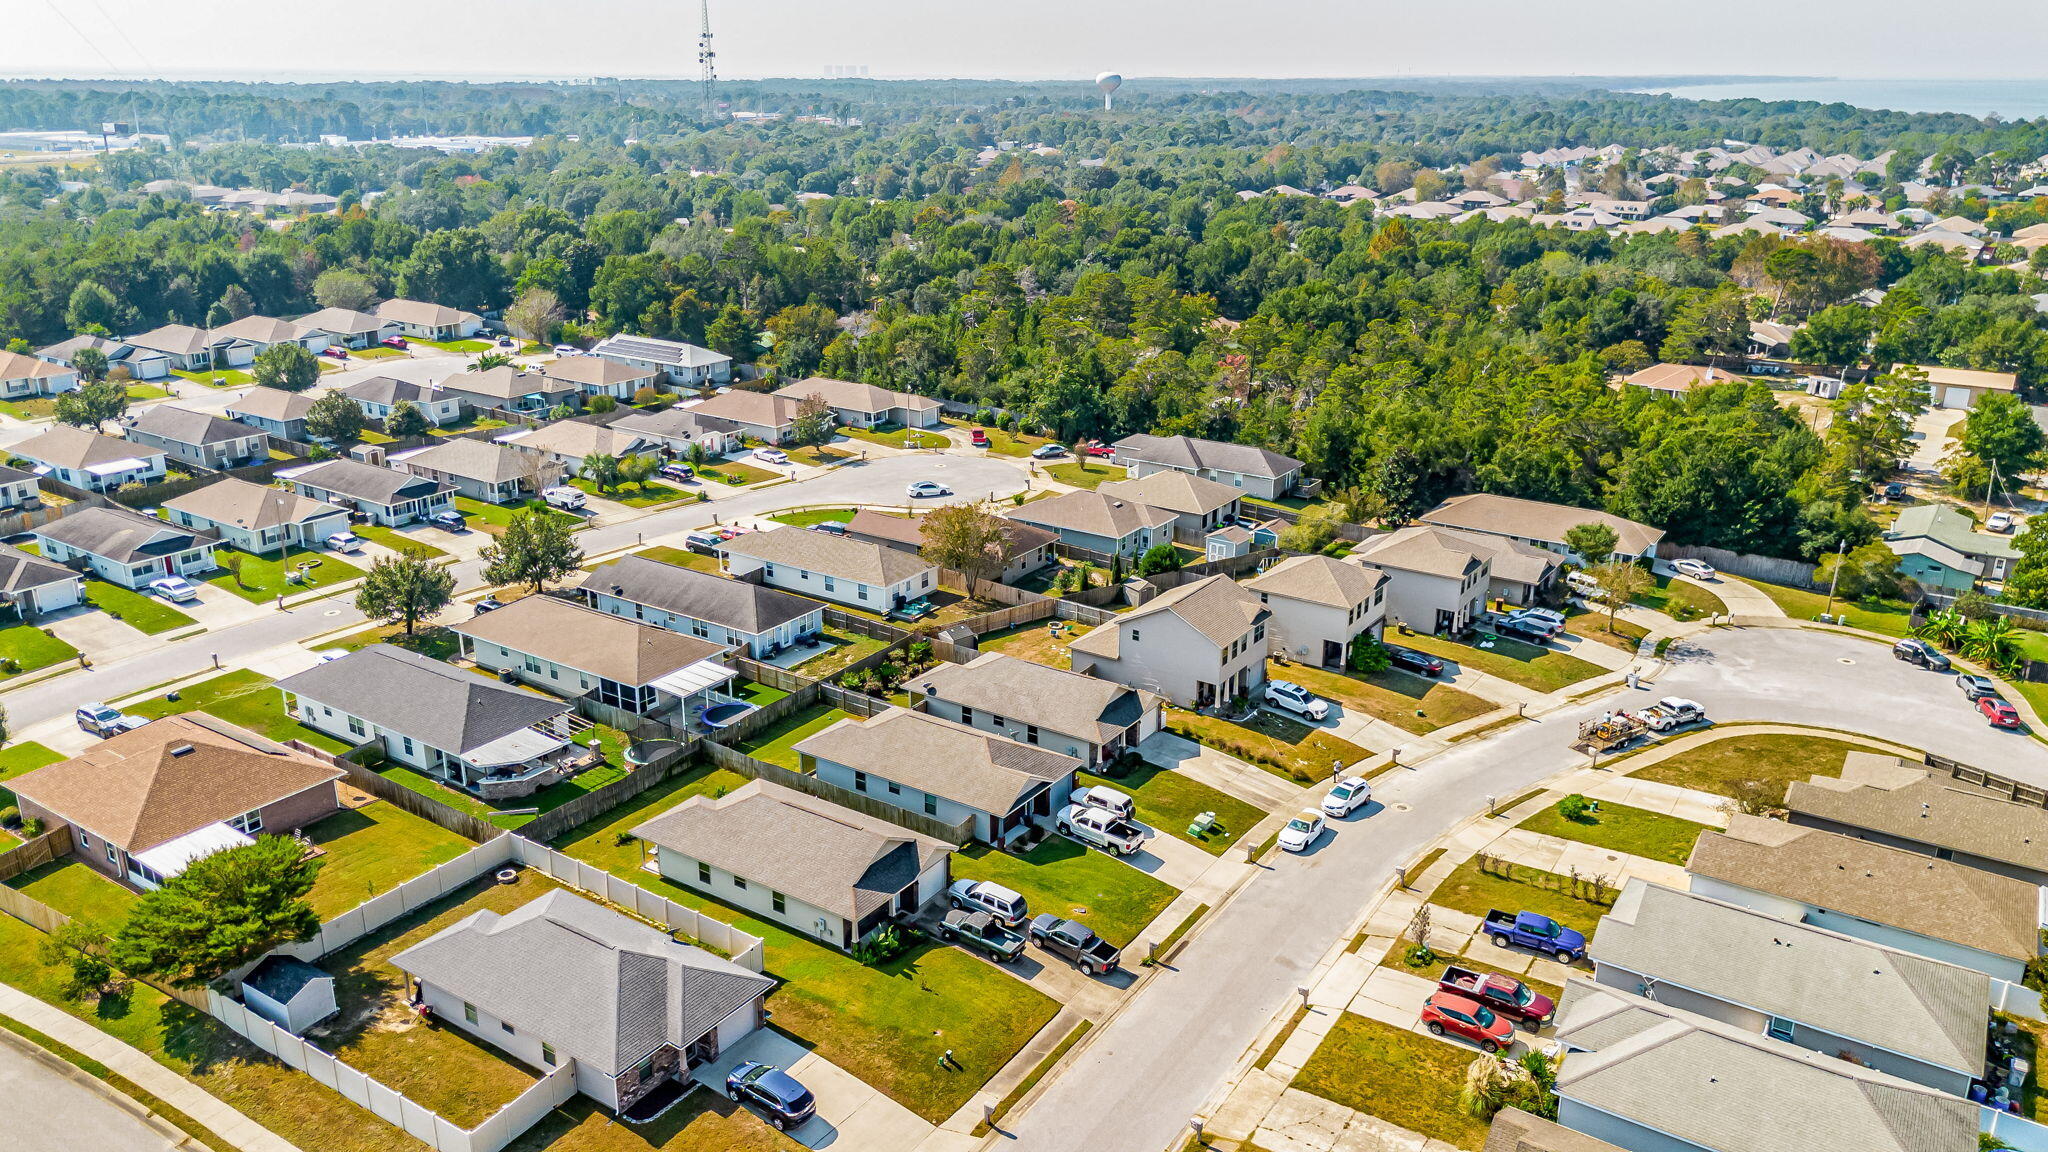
38,385
1260,486
19,493
757,898
1617,1131
59,594
192,563
756,643
547,675
1173,659
874,597
1066,744
1298,627
491,1030
152,469
307,533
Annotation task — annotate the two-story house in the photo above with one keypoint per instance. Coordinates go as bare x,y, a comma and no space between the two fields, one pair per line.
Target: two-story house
1320,605
1435,581
1253,470
1202,644
1089,719
1198,506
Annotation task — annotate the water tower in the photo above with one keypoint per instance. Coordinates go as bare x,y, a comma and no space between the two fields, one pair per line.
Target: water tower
1109,82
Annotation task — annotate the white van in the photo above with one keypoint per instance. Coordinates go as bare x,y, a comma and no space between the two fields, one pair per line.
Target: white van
1582,584
1108,799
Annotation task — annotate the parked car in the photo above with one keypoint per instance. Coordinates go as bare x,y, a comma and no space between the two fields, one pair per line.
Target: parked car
1350,794
1582,584
1077,942
176,589
775,1092
507,342
1976,687
1555,620
1998,712
1048,452
103,721
1108,799
1296,699
2001,522
1505,995
1413,661
829,528
567,350
1098,449
922,489
680,473
1535,622
1523,629
982,931
449,519
394,342
982,896
703,543
771,455
1530,930
1099,829
564,497
336,351
1914,650
978,437
1445,1012
1305,829
345,542
1697,569
1896,490
488,604
1671,712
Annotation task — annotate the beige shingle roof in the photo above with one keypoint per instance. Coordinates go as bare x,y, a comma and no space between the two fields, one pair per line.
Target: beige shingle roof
273,404
246,505
258,330
938,756
422,313
855,396
1517,1131
575,439
1423,549
829,555
1179,492
63,446
1092,513
1054,699
1214,606
1886,794
482,460
757,408
1536,520
17,366
588,640
594,371
1319,580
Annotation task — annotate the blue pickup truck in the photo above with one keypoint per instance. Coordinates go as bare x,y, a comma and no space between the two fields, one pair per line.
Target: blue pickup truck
1539,933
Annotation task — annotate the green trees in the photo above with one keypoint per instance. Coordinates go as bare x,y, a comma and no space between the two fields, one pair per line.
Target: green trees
1159,558
602,470
1593,541
344,288
223,911
90,364
801,332
92,405
813,424
536,315
1999,438
455,267
536,547
407,419
1621,582
335,417
286,366
404,590
1865,572
968,538
93,309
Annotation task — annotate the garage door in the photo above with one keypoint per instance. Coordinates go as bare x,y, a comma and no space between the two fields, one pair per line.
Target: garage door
1956,398
54,596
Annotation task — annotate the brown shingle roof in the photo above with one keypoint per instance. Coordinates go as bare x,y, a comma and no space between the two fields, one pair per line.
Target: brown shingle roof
855,396
1092,513
757,408
588,640
1517,1131
1885,794
595,371
1179,492
1319,580
1536,520
246,505
905,530
1423,549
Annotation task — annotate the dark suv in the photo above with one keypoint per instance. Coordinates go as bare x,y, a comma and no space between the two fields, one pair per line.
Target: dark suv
1914,650
787,1103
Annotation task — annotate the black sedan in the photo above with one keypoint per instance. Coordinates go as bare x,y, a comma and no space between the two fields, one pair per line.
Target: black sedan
1413,661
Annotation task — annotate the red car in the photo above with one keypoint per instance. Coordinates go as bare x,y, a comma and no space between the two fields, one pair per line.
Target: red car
1467,1018
2000,713
978,437
393,342
1098,448
336,351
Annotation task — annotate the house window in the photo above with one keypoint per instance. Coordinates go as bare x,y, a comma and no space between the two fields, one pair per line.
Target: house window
1779,1029
113,854
895,789
406,743
84,839
967,715
703,873
780,903
769,569
1134,636
740,882
469,1012
506,1027
547,1055
828,584
998,721
248,823
531,665
1031,733
860,781
861,588
355,725
1258,632
931,804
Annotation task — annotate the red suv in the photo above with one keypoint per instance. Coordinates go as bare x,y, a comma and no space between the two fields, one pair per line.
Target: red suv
2000,713
1460,1016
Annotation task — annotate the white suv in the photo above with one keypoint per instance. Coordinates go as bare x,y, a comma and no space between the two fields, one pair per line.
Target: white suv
1294,698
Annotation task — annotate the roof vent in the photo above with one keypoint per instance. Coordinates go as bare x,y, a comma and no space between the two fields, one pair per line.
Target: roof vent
618,589
181,749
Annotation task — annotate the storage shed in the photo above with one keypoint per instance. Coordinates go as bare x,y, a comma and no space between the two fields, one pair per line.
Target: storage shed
291,994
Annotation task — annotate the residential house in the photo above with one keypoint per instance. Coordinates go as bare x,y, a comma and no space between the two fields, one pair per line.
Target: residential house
346,328
197,438
1092,720
145,804
18,489
1025,549
485,470
1320,605
380,396
189,349
1517,572
291,994
1890,896
510,389
265,332
1436,582
1941,548
277,412
383,495
141,364
564,978
864,405
423,321
32,585
23,376
1674,379
947,771
1768,341
597,376
761,416
257,518
1962,387
1648,1077
836,568
1258,471
1887,800
685,365
818,869
759,620
1542,524
465,730
1199,506
128,548
1514,1130
1241,538
571,649
86,459
677,430
1915,1018
1099,523
567,442
1202,644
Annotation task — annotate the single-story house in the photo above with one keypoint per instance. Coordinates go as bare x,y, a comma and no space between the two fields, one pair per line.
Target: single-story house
1543,524
262,332
291,994
128,548
1514,1130
1941,548
144,804
280,413
33,585
1257,471
379,396
1320,605
948,771
85,459
509,388
678,429
1890,801
1675,379
465,730
1436,582
567,442
1026,549
141,363
190,349
257,518
813,867
684,364
1918,1019
485,470
1962,387
733,612
571,649
1198,506
1768,341
1090,719
424,321
1099,523
864,405
762,416
562,977
346,327
18,488
1203,643
597,376
835,568
199,438
385,496
22,375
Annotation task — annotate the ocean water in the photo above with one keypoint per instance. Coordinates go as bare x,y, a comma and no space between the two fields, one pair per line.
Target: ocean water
2009,99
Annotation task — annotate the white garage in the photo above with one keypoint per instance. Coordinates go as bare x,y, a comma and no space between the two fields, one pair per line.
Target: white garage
34,585
1960,387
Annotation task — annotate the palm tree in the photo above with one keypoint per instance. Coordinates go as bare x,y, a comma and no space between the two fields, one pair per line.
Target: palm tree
1946,628
1991,642
490,360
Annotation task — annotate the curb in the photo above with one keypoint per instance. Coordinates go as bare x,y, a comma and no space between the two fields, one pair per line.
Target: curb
177,1137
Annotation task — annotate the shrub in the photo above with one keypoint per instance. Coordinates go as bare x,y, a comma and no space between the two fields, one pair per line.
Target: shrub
32,827
1369,655
1574,807
601,404
1419,956
10,816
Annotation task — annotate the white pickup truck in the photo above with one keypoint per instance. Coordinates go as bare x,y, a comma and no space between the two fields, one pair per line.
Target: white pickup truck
1671,712
1099,829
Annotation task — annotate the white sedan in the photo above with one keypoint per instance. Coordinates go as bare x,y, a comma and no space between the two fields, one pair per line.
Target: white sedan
2001,522
1350,794
1697,569
921,489
1302,831
176,589
771,455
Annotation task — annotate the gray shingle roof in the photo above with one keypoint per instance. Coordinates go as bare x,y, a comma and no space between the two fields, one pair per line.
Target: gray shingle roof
1319,580
273,404
65,447
855,396
1189,452
1536,520
231,500
188,427
938,756
1517,1131
1092,513
1179,492
601,988
1430,551
282,977
1887,795
732,604
595,371
20,571
829,555
122,536
367,482
1214,606
581,637
389,391
482,460
438,704
1053,699
675,423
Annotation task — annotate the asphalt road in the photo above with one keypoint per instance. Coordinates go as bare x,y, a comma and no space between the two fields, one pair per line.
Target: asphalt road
1152,1067
53,1113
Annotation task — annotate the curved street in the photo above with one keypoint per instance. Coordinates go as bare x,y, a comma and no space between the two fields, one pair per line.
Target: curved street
54,1112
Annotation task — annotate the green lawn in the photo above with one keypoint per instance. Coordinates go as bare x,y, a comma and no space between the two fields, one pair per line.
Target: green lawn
437,642
777,743
810,516
398,541
146,392
1070,880
371,850
1086,473
645,495
493,519
73,888
680,557
839,648
1524,889
240,697
376,354
759,695
1282,746
887,1024
263,577
467,346
1409,702
25,648
1620,828
228,377
897,436
1595,626
1396,1075
1004,443
547,799
147,613
735,472
1682,600
1540,669
1776,760
1169,801
27,756
30,408
470,425
1891,617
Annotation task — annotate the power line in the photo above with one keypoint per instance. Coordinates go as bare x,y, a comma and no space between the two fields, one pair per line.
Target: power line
89,43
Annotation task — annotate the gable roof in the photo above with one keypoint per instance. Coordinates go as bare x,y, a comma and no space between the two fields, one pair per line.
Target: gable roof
17,366
1189,452
122,536
184,426
341,322
1319,580
389,391
576,439
1421,548
583,638
438,704
62,446
938,756
1536,520
1093,513
829,555
367,482
506,383
824,855
1517,1131
174,339
258,330
424,314
1885,794
670,352
488,461
1214,606
761,409
733,604
1946,525
171,777
1018,538
1969,378
676,423
272,404
594,371
231,500
1052,699
601,988
1181,492
1674,377
855,396
21,571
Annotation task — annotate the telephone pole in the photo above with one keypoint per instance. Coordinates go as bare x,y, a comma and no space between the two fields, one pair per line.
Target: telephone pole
707,69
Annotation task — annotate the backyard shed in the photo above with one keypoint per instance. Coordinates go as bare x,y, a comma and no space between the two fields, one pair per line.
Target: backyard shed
291,994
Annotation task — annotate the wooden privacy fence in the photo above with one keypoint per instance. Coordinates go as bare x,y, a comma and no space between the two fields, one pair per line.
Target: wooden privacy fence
2009,788
472,828
875,629
593,804
955,832
35,853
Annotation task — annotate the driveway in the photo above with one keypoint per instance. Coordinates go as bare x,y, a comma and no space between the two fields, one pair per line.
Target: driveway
850,1115
1247,782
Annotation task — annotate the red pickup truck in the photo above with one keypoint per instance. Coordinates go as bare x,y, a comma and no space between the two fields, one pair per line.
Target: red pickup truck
1506,995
